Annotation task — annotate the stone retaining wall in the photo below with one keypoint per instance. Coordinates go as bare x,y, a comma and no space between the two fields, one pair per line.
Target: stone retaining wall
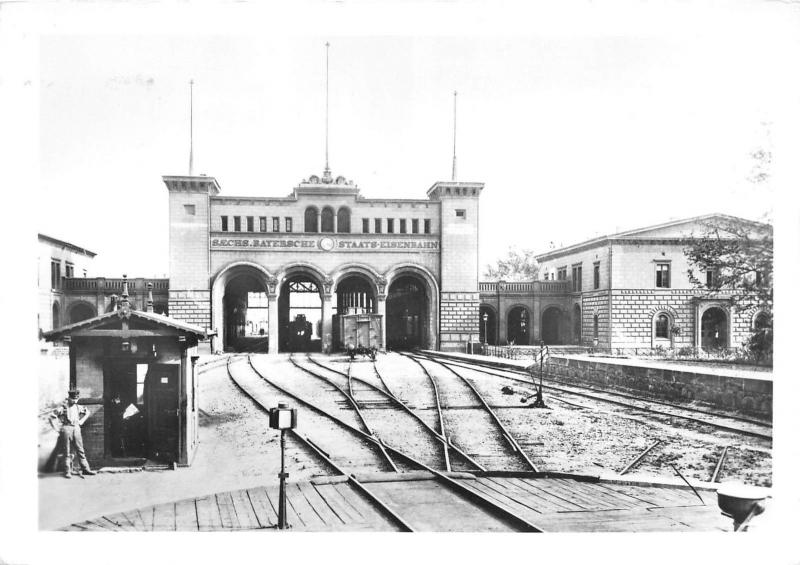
748,396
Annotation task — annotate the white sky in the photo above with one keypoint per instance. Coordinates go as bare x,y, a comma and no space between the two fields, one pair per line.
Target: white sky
576,132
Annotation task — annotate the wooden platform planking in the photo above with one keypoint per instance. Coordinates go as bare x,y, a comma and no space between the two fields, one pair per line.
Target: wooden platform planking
208,518
553,504
266,515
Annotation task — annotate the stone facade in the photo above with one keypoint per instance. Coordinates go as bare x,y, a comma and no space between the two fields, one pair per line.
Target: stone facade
325,232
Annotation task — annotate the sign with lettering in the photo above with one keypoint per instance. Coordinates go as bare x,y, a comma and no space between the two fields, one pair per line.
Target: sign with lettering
324,244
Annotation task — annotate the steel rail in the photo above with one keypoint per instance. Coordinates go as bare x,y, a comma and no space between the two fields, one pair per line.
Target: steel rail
315,408
550,376
639,457
479,498
310,444
720,463
447,444
350,399
382,380
488,408
628,405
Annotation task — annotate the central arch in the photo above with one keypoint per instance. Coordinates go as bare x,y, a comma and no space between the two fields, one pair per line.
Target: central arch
714,329
428,308
406,313
300,312
518,325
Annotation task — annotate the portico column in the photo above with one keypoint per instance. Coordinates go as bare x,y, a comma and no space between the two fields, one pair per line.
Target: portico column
272,322
381,303
327,322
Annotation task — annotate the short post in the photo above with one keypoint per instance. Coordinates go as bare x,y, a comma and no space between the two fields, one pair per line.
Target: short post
543,352
282,418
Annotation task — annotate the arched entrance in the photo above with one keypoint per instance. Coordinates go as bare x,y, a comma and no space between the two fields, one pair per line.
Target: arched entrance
576,324
354,295
300,314
406,313
56,316
714,329
245,313
488,325
80,311
518,326
551,326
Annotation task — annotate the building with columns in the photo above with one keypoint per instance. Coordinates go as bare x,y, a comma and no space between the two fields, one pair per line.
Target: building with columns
279,273
624,291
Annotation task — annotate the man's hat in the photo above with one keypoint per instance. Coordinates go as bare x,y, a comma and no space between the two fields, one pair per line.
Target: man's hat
74,393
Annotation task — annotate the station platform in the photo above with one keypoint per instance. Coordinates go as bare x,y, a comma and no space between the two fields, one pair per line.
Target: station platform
425,503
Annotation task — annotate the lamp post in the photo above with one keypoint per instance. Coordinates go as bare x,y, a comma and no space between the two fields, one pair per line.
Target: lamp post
523,322
282,418
485,335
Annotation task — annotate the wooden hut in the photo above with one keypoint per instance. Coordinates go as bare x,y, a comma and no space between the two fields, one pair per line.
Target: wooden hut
135,371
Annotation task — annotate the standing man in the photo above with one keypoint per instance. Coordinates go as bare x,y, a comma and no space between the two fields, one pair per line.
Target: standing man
71,417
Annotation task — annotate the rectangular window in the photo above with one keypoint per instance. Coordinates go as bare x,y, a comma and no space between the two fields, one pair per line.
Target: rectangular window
55,273
287,221
70,270
189,209
276,224
461,213
365,225
262,223
662,275
759,278
577,278
402,226
427,226
237,223
224,223
415,226
596,276
711,278
547,276
250,223
390,225
562,273
378,225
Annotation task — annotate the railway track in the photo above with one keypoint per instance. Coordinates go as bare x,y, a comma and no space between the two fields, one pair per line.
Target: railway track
332,461
499,449
731,423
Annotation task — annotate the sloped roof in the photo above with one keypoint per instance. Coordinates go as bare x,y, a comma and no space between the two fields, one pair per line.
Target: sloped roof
150,317
668,230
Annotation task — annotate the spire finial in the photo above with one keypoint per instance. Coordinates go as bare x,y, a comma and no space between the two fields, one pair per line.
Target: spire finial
191,126
455,96
326,175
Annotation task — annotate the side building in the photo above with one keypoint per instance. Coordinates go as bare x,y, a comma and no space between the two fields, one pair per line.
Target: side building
626,291
284,273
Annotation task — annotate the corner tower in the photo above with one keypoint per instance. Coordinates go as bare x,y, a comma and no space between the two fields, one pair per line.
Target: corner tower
460,299
189,250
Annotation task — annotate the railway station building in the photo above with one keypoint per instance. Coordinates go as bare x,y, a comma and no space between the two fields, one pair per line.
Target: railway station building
626,291
325,268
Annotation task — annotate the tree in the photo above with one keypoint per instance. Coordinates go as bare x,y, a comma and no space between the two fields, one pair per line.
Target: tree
734,256
517,265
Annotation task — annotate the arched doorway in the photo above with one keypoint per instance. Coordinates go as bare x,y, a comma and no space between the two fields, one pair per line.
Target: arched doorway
576,324
714,329
551,326
406,313
80,311
354,295
245,314
488,325
300,314
518,326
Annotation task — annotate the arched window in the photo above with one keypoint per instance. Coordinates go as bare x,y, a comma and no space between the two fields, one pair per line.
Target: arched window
327,219
662,326
596,326
761,321
311,220
343,220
